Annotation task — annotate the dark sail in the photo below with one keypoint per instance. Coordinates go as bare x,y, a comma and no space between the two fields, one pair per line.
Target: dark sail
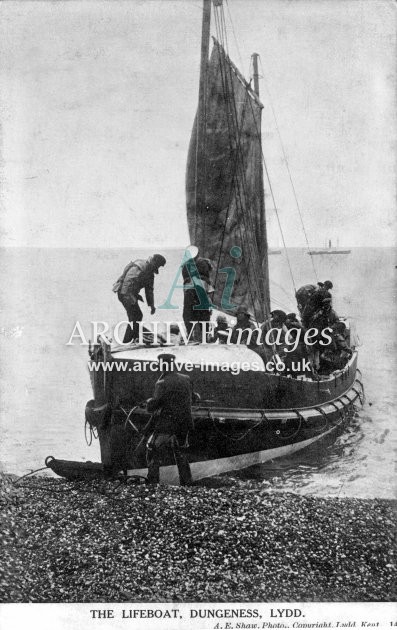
224,185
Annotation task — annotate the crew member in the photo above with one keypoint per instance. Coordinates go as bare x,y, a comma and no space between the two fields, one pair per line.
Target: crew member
136,276
292,322
197,301
221,330
241,330
303,295
320,299
295,360
337,355
171,407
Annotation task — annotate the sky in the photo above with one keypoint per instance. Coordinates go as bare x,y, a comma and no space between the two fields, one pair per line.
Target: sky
98,100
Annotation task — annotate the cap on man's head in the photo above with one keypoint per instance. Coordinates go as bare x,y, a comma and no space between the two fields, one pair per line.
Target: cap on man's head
279,315
166,358
328,284
291,315
243,310
209,263
156,262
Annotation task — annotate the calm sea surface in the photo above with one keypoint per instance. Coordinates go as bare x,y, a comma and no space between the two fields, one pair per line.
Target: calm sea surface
45,383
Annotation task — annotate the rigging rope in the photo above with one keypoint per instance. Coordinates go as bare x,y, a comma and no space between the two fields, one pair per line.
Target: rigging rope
287,165
221,33
234,35
243,208
278,218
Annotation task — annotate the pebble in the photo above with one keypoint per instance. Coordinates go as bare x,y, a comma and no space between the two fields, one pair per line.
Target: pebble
101,541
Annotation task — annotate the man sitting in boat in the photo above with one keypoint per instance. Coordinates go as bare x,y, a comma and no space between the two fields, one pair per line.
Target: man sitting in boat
221,330
138,275
292,321
241,331
297,357
197,302
171,421
338,353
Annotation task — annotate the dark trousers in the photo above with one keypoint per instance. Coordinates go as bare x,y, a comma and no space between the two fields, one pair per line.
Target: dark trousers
157,447
134,315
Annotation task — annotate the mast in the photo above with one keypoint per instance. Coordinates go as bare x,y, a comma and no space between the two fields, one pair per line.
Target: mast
201,112
255,73
263,246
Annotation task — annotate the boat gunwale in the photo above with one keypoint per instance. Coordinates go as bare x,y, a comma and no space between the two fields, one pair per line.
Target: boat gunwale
271,413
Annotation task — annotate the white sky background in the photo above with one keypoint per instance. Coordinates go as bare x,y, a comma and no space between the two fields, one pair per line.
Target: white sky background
98,100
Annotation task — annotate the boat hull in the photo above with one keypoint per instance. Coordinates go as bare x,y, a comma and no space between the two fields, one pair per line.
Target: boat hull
253,388
224,439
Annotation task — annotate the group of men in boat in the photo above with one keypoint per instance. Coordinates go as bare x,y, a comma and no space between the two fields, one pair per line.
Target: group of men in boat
316,311
314,306
170,406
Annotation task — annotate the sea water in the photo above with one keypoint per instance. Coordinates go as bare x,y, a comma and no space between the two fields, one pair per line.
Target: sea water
45,382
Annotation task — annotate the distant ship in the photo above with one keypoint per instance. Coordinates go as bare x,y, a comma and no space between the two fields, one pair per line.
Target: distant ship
328,250
274,251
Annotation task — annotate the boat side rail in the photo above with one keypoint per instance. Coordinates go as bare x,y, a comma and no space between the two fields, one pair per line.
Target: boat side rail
248,413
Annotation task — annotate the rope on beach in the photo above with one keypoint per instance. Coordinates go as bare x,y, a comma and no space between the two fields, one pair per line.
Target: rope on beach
27,475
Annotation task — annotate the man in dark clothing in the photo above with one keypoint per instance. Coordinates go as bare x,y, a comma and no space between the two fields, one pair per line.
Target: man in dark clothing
292,321
323,293
136,276
241,331
171,406
197,300
320,299
221,330
295,360
303,295
338,353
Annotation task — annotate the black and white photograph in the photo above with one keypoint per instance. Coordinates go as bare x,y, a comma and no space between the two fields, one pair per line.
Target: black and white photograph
198,314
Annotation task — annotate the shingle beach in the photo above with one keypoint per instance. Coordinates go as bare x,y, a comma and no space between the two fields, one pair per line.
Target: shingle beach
101,541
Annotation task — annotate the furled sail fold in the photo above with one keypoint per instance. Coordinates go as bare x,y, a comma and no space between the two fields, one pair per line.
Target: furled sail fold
224,188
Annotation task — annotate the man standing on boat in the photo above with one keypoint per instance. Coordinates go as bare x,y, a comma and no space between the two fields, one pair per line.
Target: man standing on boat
171,421
196,273
138,275
319,299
